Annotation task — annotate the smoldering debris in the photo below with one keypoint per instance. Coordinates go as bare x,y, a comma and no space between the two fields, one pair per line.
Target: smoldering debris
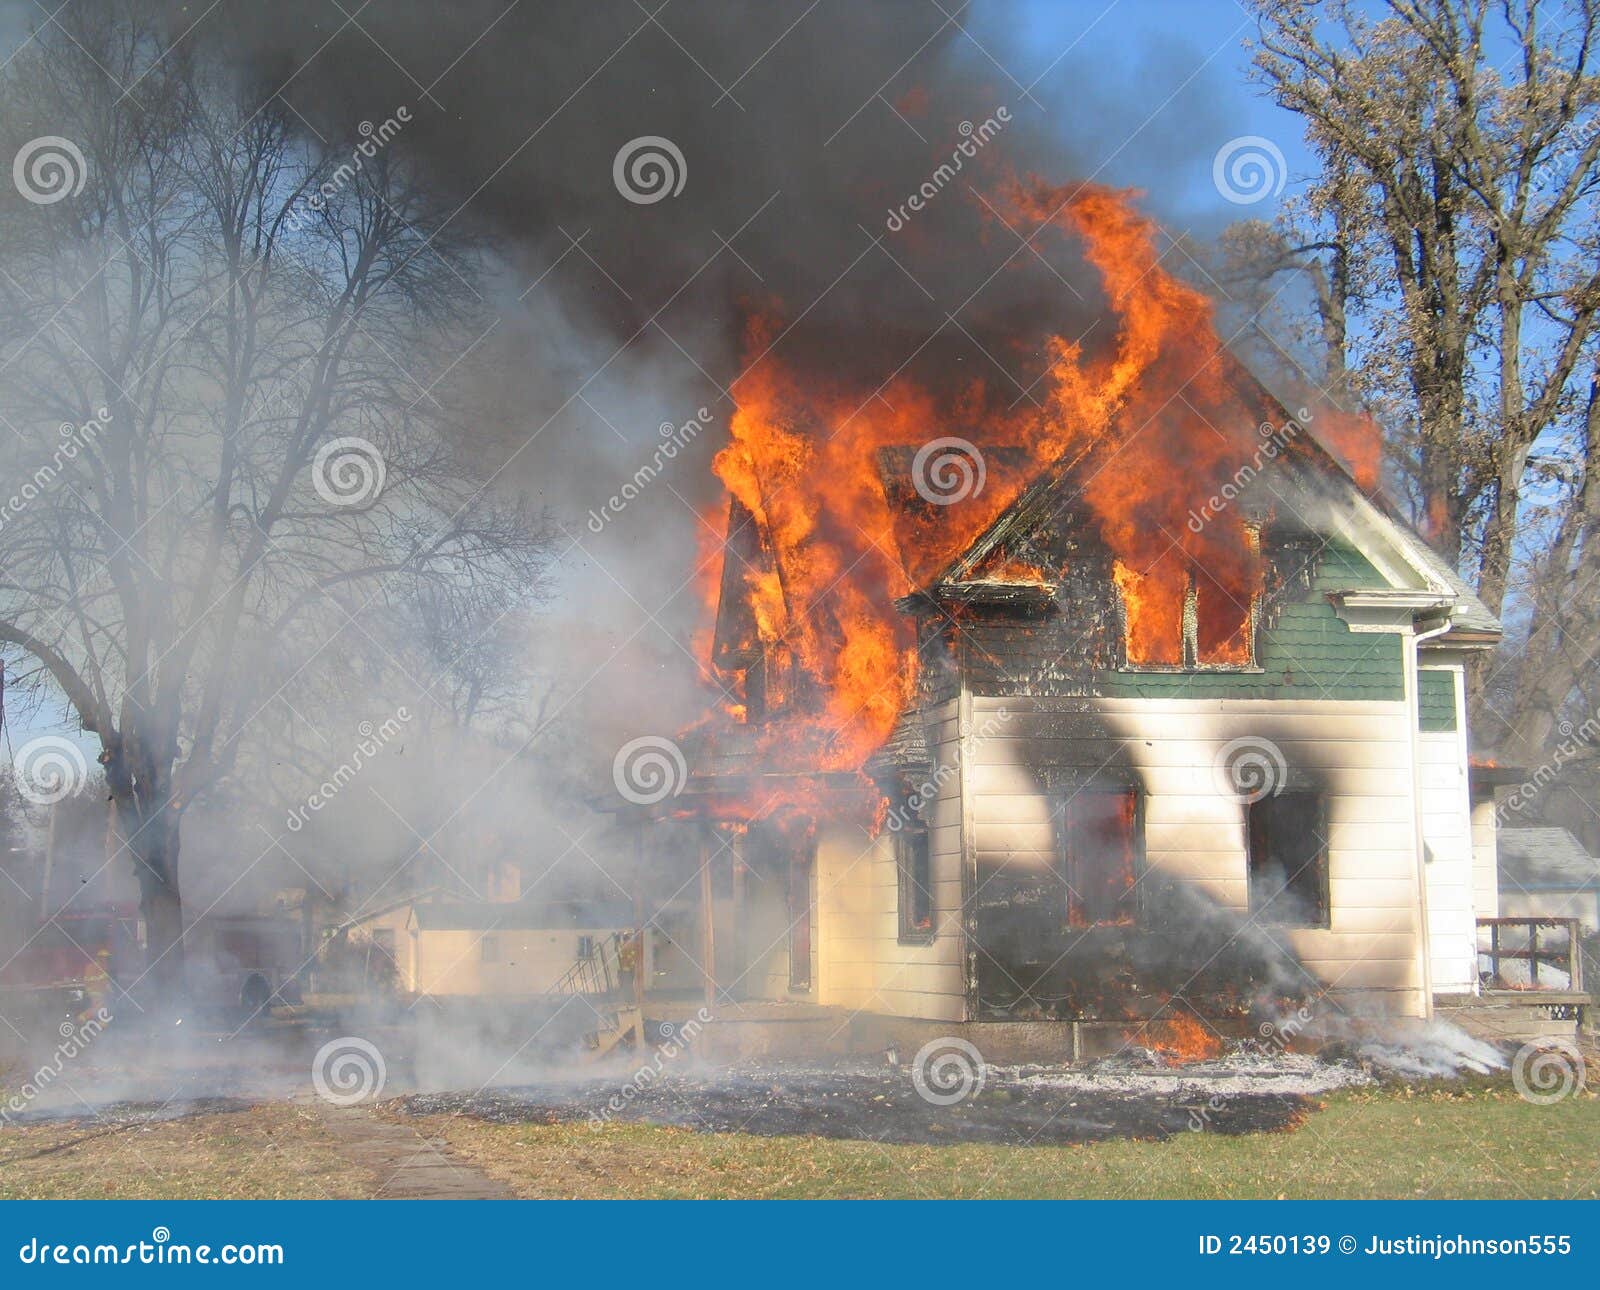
1252,1086
866,1101
1429,1050
1245,1072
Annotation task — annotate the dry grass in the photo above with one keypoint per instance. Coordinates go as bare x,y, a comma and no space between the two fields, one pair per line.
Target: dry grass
1482,1142
270,1152
1393,1143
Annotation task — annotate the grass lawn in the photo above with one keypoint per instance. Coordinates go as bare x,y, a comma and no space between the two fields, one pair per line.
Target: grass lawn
1383,1143
1393,1142
269,1152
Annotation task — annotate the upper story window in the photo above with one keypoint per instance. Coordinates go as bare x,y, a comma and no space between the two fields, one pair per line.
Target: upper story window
1177,619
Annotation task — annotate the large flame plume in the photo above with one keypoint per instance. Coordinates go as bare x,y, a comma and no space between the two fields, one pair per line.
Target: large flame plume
1144,428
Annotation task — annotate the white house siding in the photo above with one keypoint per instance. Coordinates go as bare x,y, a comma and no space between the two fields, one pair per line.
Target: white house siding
1447,834
1485,855
862,964
1357,752
525,962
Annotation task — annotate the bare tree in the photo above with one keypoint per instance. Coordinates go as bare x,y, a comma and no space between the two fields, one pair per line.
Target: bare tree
253,347
1451,235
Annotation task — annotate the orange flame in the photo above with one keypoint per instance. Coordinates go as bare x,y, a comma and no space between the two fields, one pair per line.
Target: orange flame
1181,1038
1164,413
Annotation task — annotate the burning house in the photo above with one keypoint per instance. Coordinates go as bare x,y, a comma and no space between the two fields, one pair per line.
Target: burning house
1138,703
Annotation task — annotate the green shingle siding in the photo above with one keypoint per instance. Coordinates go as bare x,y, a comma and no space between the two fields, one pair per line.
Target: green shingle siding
1436,701
1305,651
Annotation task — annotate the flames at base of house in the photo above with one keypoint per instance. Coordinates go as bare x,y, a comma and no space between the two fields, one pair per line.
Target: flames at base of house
1180,1038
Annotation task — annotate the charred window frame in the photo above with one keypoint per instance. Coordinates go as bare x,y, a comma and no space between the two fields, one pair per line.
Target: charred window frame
1192,662
1287,839
913,854
1189,631
1102,855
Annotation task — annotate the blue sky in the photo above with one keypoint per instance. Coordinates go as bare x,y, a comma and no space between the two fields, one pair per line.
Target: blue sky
1175,74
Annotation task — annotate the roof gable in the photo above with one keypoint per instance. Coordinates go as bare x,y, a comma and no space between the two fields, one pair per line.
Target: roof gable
1331,504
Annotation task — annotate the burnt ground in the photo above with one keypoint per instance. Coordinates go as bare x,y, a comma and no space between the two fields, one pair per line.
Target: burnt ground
882,1105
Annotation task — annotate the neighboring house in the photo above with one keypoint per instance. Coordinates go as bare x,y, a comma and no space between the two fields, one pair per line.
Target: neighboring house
1075,835
442,947
1546,873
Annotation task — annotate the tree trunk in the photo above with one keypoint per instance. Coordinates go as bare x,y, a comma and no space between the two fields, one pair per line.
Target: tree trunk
162,908
148,821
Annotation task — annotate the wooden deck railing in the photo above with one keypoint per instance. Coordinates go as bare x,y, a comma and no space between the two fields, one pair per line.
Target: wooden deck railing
1551,942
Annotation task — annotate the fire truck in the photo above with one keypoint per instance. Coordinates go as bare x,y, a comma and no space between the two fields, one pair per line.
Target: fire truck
75,963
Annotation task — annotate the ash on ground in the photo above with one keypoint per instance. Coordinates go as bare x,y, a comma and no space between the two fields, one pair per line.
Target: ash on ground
1133,1095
